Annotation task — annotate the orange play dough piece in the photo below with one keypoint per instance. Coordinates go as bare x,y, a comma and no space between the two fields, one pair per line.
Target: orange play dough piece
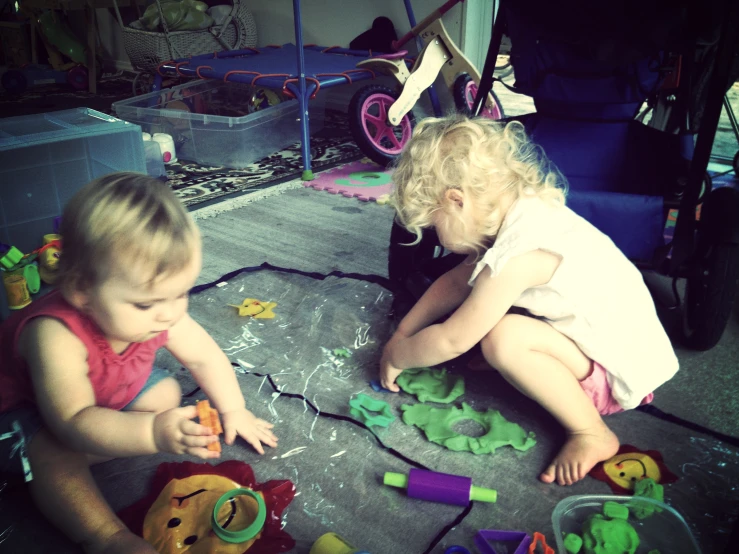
208,417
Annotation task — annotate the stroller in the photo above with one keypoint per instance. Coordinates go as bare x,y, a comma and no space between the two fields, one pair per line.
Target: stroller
590,68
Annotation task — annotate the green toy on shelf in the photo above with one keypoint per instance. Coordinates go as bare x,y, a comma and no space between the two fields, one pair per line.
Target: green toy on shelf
11,258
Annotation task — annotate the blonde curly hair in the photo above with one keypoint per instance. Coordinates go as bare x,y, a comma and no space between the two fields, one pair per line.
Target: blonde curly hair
482,158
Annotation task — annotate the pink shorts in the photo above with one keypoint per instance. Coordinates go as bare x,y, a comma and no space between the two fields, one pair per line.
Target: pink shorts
597,388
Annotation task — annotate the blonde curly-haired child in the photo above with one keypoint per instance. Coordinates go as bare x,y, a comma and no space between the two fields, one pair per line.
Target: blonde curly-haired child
76,366
591,343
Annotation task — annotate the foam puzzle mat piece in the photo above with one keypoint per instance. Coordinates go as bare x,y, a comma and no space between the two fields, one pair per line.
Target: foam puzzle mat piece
362,179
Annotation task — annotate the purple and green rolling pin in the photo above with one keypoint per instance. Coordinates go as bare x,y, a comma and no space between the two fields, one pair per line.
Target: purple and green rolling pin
440,487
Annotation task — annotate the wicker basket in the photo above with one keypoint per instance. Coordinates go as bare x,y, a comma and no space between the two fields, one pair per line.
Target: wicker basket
148,49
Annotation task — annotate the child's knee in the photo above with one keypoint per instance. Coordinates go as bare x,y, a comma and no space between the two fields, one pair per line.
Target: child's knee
504,343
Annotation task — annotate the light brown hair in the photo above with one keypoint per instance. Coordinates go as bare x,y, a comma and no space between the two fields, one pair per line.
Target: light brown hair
124,218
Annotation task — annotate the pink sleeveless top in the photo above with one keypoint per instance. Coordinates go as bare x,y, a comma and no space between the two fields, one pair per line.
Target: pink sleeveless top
116,378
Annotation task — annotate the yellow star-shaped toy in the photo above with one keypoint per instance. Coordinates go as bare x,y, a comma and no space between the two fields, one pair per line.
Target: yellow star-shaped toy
251,307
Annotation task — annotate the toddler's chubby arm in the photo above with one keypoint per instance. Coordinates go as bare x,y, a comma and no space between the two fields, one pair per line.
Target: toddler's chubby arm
195,349
57,361
483,308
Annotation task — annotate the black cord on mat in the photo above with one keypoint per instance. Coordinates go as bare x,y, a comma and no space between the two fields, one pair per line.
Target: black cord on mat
337,417
441,534
370,278
328,415
656,412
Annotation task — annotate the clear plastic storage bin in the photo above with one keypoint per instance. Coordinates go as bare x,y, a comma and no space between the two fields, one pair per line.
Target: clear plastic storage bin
221,124
665,530
46,158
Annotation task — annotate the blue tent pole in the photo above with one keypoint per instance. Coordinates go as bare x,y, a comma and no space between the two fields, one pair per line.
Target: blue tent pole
419,44
302,96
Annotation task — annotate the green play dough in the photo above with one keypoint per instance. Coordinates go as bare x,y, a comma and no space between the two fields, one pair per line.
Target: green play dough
371,411
614,510
437,424
647,488
434,385
608,536
573,543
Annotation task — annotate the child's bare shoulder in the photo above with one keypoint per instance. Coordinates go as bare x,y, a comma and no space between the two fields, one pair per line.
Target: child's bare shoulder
45,335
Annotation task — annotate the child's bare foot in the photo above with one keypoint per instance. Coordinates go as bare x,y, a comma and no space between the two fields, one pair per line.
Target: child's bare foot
122,542
580,453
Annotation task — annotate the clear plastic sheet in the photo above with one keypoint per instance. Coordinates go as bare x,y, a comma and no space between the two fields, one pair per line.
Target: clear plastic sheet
710,479
313,318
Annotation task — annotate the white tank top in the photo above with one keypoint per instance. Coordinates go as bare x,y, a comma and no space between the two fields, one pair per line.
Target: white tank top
596,297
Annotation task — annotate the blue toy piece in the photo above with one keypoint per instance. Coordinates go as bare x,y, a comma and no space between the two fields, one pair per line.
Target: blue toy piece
377,387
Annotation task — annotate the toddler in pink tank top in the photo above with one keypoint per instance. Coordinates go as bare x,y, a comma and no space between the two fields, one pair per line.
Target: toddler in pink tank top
76,365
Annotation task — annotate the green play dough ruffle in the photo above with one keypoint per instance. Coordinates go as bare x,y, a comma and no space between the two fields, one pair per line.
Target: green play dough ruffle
437,424
604,536
431,385
647,488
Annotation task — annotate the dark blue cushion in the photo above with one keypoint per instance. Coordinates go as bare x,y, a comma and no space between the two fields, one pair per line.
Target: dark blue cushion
634,222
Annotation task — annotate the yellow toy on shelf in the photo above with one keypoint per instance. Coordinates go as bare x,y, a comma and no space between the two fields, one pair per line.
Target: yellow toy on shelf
19,278
49,259
22,273
16,288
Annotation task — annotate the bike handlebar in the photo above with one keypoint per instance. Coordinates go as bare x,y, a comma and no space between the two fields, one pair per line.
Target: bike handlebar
433,16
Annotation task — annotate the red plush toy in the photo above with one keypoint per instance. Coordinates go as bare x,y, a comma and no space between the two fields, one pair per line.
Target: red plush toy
176,516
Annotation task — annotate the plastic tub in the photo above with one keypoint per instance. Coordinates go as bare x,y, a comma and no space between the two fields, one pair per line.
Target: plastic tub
46,158
664,530
221,124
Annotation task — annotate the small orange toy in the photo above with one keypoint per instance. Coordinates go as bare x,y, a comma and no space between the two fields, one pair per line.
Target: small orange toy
541,540
209,417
